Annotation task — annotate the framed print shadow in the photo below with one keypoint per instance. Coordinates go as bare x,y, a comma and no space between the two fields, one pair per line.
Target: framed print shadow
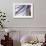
22,10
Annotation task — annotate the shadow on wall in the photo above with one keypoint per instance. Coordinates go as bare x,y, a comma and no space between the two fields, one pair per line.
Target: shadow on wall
16,43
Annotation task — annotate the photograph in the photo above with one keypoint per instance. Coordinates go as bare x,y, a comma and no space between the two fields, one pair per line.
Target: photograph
22,10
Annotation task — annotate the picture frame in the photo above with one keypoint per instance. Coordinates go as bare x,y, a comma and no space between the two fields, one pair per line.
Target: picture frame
22,10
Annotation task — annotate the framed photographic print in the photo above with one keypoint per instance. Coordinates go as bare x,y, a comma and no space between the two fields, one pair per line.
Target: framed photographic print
22,10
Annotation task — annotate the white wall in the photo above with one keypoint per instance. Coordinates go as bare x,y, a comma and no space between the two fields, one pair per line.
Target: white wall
37,23
17,35
39,13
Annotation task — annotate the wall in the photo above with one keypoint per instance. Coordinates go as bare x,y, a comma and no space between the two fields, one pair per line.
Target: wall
17,35
39,13
37,23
